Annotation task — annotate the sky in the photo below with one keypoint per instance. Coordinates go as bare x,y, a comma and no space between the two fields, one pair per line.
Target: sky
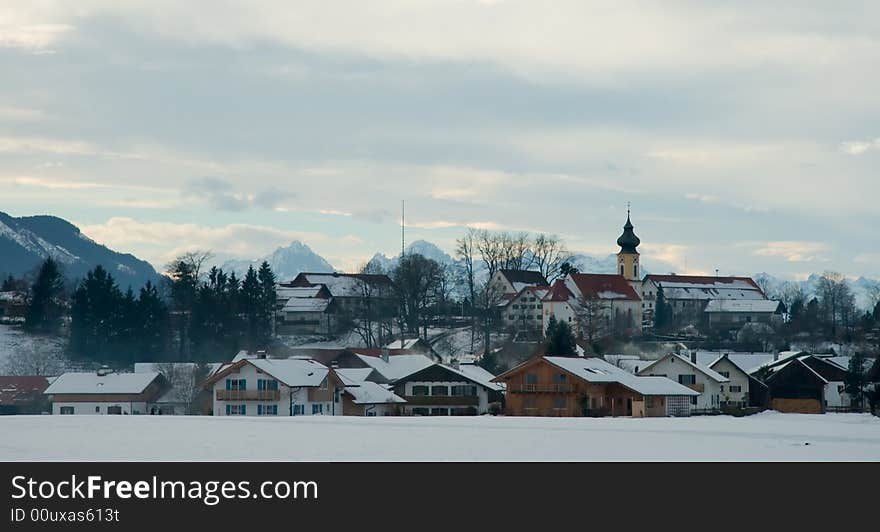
746,135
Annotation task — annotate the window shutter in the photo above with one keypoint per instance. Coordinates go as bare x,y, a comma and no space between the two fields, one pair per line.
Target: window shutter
228,385
243,409
228,407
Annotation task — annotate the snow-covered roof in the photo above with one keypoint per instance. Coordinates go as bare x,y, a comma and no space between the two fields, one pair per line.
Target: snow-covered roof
702,287
597,370
705,370
303,304
479,375
602,286
149,367
347,284
796,360
407,343
94,384
294,371
398,366
287,292
351,376
742,305
745,361
372,393
13,297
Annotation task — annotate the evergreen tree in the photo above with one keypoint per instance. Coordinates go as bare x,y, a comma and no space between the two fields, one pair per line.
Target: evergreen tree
562,341
96,317
662,311
151,338
566,268
8,284
46,304
856,379
877,313
266,322
251,302
551,326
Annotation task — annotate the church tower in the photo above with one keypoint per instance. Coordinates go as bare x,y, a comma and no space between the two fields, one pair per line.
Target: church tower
628,257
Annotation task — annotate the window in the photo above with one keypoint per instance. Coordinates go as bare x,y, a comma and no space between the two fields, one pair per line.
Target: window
649,401
324,383
559,402
267,384
735,389
440,390
687,379
420,390
66,411
725,374
559,378
420,411
317,409
298,410
635,270
529,402
236,384
115,410
267,410
694,400
531,378
621,269
236,410
98,409
439,411
464,390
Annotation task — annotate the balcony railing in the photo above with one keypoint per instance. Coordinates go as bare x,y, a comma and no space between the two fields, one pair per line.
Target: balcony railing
698,387
248,395
540,388
442,400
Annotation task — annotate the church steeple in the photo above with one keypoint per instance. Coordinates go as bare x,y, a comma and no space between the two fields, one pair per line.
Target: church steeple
628,257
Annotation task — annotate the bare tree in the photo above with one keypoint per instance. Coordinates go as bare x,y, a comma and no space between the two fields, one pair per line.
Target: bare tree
465,252
591,314
417,280
34,358
549,253
836,300
185,380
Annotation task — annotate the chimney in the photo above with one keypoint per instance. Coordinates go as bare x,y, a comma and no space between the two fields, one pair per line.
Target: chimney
693,356
385,354
775,356
103,371
456,364
262,354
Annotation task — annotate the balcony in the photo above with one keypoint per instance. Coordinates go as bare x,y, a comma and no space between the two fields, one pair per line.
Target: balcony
248,395
540,388
698,387
442,400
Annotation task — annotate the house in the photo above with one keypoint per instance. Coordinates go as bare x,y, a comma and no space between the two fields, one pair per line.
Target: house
734,313
413,346
362,397
305,310
389,368
23,395
105,392
13,306
594,305
577,386
353,293
506,282
524,310
439,390
685,370
742,390
689,295
184,393
801,382
263,386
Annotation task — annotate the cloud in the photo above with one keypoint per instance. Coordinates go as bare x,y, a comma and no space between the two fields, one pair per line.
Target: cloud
220,194
860,147
33,37
792,250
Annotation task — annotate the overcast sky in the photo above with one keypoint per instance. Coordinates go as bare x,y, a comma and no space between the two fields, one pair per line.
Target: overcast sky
746,135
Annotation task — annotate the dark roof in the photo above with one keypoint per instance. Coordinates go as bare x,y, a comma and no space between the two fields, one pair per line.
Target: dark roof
15,390
371,278
601,285
628,241
524,276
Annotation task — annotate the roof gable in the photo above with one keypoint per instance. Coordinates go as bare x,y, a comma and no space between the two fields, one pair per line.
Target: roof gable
601,286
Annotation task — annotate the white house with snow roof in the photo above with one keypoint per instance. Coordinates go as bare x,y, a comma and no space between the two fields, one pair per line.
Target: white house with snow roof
686,371
262,386
105,392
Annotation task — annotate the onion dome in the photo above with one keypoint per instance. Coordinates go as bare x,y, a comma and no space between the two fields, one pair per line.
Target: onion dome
628,241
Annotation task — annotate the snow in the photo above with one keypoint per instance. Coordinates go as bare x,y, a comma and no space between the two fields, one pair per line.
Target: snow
292,371
742,305
369,393
598,370
92,383
480,376
398,366
769,436
351,376
301,304
711,373
745,361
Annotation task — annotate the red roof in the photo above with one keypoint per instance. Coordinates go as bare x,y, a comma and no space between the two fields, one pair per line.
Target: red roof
602,286
15,390
559,292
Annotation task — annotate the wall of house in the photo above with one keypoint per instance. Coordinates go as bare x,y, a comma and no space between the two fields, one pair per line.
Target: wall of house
349,408
737,378
562,311
524,313
835,397
441,401
672,367
305,397
97,408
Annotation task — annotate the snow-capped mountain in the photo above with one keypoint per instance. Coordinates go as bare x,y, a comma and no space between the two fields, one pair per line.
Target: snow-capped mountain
26,241
862,287
420,247
286,262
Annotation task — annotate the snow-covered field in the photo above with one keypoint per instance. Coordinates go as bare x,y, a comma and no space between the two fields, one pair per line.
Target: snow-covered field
766,436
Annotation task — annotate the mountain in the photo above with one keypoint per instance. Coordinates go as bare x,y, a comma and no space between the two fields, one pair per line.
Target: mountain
862,288
26,241
420,247
286,262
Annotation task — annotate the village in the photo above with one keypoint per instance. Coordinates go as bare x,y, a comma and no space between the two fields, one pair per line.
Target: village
557,369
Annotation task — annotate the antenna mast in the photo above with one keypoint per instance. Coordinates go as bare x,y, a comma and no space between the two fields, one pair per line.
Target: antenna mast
402,227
